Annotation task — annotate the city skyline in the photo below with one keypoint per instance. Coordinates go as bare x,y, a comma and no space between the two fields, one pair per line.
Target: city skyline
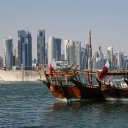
73,54
67,20
62,45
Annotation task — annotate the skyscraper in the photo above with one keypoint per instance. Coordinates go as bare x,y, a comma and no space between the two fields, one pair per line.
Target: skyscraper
41,53
51,50
83,58
66,42
15,57
8,53
86,55
110,56
24,49
72,51
88,59
58,49
54,50
77,53
90,51
21,40
99,59
118,60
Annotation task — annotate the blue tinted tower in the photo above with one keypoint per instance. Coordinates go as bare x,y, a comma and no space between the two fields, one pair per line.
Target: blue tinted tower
21,40
41,54
58,49
25,49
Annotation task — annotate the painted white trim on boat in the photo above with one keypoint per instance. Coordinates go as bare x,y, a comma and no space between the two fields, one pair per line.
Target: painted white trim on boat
117,99
75,100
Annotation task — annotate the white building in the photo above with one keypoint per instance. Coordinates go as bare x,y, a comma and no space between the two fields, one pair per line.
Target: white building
66,43
51,50
110,56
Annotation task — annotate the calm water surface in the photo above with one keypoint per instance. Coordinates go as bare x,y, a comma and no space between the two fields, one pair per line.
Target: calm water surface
31,105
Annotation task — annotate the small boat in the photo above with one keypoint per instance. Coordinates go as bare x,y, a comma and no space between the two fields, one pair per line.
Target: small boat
115,87
68,86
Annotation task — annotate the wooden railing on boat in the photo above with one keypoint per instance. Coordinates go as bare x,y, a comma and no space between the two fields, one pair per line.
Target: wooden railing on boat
60,73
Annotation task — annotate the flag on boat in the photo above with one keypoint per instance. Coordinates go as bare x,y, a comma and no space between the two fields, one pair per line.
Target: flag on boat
52,67
104,71
50,71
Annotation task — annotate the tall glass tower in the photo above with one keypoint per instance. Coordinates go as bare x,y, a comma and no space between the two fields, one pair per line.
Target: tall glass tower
41,54
8,53
99,59
21,40
54,50
58,49
24,50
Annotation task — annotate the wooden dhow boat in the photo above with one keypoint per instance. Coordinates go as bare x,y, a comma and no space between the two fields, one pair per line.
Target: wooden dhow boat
73,85
115,86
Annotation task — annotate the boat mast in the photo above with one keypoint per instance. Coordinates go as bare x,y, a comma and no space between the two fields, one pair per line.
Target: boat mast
90,58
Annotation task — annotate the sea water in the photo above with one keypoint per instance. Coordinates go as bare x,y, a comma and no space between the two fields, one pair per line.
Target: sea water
31,105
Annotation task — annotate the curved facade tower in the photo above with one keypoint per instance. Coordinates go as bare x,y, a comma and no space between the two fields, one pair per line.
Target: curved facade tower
8,53
51,50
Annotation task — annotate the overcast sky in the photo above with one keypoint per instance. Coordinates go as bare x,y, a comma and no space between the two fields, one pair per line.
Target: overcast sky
68,19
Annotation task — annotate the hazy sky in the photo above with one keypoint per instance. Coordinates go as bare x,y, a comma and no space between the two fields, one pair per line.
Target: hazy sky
68,19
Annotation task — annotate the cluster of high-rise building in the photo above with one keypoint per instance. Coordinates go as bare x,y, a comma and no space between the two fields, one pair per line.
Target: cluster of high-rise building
116,60
21,57
67,52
